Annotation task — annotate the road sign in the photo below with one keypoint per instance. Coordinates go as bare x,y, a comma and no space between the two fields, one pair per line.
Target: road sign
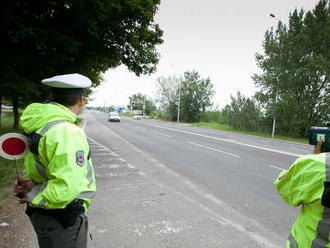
13,146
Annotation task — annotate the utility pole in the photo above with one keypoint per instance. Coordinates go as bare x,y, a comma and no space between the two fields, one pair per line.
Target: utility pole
144,105
276,97
178,119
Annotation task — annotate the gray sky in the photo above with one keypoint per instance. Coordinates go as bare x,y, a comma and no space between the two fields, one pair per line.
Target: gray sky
216,38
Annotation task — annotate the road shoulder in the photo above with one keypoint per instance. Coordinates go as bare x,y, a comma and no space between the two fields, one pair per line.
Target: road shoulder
15,227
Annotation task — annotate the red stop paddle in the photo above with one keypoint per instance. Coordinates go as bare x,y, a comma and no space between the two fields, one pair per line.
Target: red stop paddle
13,146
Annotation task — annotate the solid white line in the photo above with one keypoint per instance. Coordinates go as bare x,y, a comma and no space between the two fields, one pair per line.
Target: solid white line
130,166
227,140
163,134
237,225
275,167
230,154
83,128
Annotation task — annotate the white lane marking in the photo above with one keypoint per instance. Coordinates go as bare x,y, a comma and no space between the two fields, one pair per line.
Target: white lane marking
119,174
161,227
275,167
130,166
228,140
109,166
83,128
140,127
168,136
207,147
251,233
101,154
102,230
220,219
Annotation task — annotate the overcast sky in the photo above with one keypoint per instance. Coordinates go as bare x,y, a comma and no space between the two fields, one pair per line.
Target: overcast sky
216,38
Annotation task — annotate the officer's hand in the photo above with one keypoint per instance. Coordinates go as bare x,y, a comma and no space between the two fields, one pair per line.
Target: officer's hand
26,183
22,187
20,192
317,148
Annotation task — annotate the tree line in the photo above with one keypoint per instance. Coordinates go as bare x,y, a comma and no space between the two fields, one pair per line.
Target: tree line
293,87
45,38
189,96
41,39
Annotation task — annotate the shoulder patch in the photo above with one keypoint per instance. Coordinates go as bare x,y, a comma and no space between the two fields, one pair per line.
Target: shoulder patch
80,158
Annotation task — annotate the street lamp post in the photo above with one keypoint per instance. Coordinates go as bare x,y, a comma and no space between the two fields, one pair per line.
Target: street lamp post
178,119
276,97
144,106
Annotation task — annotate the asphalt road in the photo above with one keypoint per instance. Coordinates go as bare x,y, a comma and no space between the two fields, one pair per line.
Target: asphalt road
172,185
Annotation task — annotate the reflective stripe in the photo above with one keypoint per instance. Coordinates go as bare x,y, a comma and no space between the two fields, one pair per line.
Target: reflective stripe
89,173
49,125
42,203
42,171
292,241
36,190
323,228
40,167
327,166
87,195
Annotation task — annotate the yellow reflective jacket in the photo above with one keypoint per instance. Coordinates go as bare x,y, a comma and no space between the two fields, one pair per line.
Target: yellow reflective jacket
62,166
307,184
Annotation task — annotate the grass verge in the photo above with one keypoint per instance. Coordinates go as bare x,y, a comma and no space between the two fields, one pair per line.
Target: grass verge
261,134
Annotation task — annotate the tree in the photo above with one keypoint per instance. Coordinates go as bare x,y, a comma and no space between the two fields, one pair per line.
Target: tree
196,94
136,102
44,38
168,95
243,113
149,106
141,102
296,66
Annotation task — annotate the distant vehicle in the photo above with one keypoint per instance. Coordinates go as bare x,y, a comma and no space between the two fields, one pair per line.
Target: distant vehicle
114,116
137,117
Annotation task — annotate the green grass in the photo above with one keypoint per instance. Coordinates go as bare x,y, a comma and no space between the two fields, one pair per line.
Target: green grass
261,134
7,167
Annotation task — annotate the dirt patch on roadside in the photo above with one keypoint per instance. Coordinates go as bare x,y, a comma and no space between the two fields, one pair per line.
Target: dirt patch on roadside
16,230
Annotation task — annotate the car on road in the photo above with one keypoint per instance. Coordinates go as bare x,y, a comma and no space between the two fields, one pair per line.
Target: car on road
137,117
114,116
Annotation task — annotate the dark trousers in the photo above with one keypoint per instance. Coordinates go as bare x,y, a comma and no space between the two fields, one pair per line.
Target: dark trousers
51,233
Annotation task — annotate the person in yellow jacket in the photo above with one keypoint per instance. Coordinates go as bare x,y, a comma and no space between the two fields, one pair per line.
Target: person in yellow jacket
58,183
307,184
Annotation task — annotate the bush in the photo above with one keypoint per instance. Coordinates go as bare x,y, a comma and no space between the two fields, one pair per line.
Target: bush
156,114
210,116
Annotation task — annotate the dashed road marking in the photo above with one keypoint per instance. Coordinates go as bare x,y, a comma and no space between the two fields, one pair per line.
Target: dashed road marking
227,140
168,136
213,149
275,167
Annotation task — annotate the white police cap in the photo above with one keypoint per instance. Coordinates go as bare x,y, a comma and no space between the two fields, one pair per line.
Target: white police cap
74,80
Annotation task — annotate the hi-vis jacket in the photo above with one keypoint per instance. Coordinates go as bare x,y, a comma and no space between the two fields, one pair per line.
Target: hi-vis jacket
307,183
62,168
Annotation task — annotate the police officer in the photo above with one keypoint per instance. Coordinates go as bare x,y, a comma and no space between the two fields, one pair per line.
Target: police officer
58,182
307,184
